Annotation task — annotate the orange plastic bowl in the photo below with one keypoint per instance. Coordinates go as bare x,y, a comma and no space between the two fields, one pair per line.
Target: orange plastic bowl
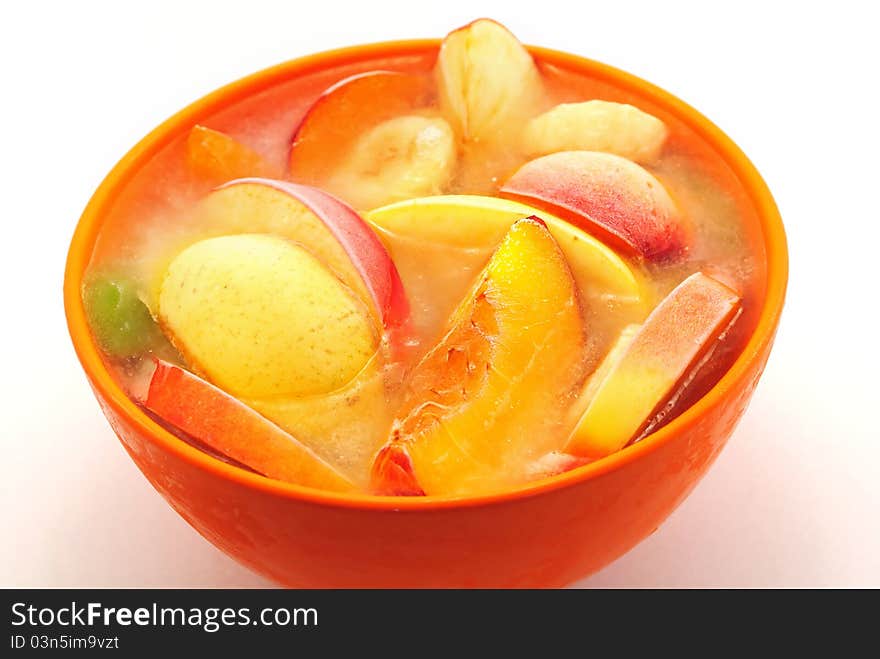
548,533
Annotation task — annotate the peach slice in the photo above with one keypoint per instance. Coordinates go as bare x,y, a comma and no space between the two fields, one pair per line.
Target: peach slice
606,195
640,381
233,429
262,317
217,158
487,82
404,157
344,112
477,222
596,125
484,402
461,231
327,227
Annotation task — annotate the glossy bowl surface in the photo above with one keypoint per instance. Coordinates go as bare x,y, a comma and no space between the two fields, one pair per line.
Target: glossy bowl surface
545,534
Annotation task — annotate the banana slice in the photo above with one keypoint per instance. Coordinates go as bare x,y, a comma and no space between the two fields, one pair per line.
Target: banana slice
402,158
488,83
615,128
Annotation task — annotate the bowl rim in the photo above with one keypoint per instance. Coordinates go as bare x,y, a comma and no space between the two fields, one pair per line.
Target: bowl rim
87,227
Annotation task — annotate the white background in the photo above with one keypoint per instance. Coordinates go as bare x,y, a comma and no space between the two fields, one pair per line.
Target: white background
794,500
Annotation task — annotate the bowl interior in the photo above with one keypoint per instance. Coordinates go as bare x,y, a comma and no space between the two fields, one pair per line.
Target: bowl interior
87,230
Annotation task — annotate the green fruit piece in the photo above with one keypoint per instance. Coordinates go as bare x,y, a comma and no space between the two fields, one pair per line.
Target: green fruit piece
120,321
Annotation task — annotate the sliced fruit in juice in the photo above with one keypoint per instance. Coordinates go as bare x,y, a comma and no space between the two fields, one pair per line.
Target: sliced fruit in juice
477,222
394,474
617,128
606,366
345,427
262,317
487,82
486,400
327,227
441,243
345,112
649,366
404,157
611,197
120,321
226,425
217,157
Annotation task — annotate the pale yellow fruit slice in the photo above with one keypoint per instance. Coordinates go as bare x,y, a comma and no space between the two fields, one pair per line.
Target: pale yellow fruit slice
606,366
260,316
617,128
345,427
487,82
401,158
642,377
471,222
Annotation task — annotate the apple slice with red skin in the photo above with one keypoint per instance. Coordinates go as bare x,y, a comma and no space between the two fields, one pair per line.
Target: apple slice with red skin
216,157
347,110
230,427
644,374
610,197
299,212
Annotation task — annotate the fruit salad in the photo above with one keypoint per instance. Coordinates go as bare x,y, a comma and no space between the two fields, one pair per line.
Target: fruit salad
448,273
